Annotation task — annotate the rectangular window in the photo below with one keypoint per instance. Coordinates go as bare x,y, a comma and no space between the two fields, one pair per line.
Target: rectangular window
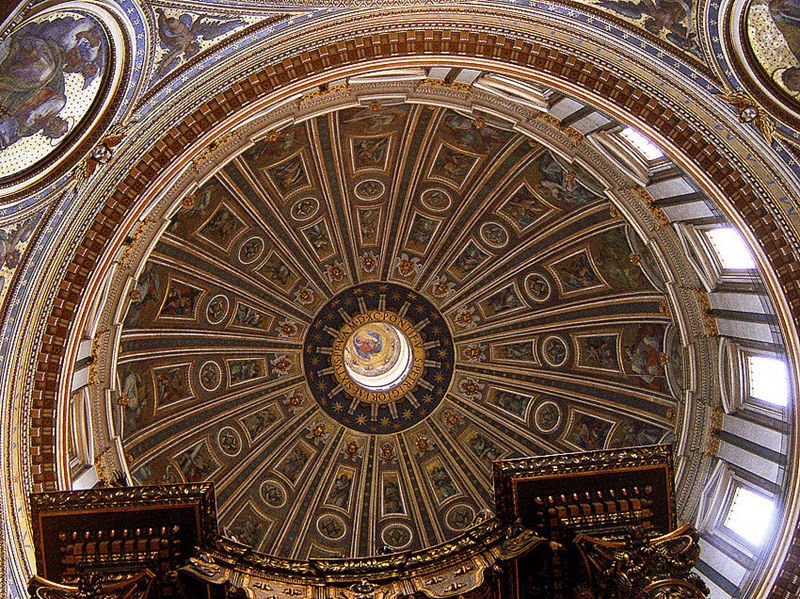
768,380
750,516
643,145
730,248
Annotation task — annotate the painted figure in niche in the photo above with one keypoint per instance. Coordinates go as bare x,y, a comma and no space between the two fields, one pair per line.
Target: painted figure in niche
340,492
577,272
180,301
247,530
375,119
368,223
441,481
245,370
634,434
644,357
453,165
370,151
277,271
196,463
483,448
516,351
181,37
317,235
293,464
133,399
171,384
589,433
248,317
475,134
470,259
511,402
421,232
259,422
392,498
503,301
33,64
145,296
524,208
599,352
671,18
222,227
617,262
560,186
290,174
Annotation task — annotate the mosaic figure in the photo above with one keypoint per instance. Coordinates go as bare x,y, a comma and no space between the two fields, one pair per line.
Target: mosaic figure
615,261
245,370
196,463
421,233
289,175
576,273
588,432
247,530
440,480
453,165
222,228
180,301
181,37
558,186
132,397
392,497
643,357
523,208
292,465
339,494
370,151
511,402
171,384
599,351
259,422
34,64
669,18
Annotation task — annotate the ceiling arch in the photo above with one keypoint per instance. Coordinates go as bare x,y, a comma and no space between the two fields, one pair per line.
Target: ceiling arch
692,145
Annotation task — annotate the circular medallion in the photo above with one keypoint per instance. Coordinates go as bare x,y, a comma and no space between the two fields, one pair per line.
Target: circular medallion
379,358
494,235
210,376
547,417
554,351
273,493
251,250
436,199
305,209
459,517
369,190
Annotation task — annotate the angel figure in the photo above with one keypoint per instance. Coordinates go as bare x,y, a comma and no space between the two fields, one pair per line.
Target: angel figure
181,37
674,16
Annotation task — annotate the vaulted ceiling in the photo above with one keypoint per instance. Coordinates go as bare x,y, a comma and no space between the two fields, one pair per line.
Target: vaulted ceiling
542,315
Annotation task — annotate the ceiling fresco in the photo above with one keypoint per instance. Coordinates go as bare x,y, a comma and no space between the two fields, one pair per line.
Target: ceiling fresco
773,31
51,72
348,323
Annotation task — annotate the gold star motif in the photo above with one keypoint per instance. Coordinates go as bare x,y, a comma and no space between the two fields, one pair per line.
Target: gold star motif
362,419
407,414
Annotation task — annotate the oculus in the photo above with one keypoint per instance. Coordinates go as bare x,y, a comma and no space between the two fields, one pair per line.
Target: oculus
378,358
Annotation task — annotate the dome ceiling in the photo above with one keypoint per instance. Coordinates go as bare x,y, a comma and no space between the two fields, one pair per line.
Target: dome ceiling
350,321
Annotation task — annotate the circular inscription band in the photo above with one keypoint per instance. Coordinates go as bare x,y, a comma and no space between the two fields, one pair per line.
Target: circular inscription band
378,358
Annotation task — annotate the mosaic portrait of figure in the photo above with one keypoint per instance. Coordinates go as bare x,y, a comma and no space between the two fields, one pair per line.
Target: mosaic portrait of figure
670,19
34,62
773,29
181,37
